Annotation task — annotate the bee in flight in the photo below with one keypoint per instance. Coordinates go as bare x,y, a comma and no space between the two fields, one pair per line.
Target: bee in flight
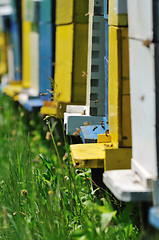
95,128
96,101
43,94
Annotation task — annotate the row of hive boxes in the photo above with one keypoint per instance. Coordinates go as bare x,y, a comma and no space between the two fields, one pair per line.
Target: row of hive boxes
68,35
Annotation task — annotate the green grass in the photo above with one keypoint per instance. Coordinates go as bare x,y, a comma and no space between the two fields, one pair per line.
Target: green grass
42,196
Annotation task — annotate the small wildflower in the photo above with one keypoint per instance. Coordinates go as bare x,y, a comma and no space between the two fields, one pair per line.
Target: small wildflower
59,144
24,192
35,139
48,135
66,177
22,114
65,157
14,132
50,192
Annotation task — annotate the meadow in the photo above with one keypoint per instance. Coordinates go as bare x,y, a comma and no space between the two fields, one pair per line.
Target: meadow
42,195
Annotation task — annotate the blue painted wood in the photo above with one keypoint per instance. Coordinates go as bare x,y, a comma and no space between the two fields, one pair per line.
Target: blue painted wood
46,55
89,134
47,11
106,9
75,122
46,32
16,42
154,217
33,104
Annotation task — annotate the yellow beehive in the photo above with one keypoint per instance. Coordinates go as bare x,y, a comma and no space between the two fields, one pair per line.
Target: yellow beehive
3,53
114,18
119,91
113,149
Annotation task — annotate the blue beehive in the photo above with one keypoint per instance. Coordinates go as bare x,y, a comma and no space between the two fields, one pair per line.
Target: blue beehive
46,55
16,42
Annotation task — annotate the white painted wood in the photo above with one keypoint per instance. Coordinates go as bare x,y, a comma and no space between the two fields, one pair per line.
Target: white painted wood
22,98
142,86
34,61
140,19
75,108
126,186
121,6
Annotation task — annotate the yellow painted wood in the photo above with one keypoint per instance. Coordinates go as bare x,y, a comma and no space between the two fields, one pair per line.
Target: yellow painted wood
12,90
69,11
103,138
116,19
71,60
80,63
119,106
53,108
64,61
3,53
89,155
117,158
34,60
26,29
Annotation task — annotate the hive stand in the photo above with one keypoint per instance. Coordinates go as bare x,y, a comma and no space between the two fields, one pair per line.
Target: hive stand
71,56
136,184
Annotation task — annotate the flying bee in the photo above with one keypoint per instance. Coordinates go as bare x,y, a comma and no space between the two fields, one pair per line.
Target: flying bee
86,123
107,132
96,101
1,107
95,128
102,124
84,74
84,112
77,132
147,43
43,94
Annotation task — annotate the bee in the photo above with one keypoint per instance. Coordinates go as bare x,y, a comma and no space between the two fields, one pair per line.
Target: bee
107,122
96,101
102,124
1,107
86,123
84,112
86,14
95,128
77,132
84,74
147,43
43,94
53,63
107,132
142,98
